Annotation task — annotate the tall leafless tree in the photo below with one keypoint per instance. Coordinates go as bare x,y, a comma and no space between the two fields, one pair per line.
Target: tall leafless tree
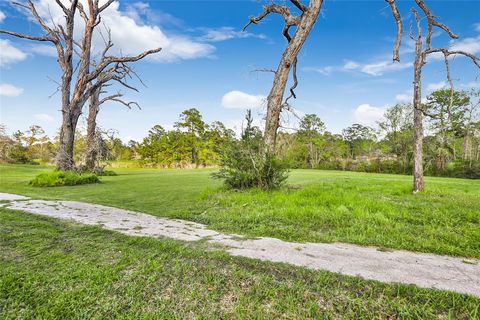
303,24
422,50
123,72
78,80
95,102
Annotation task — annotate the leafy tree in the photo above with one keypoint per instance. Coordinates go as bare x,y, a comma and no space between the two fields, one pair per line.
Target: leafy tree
447,114
310,135
397,126
191,121
359,139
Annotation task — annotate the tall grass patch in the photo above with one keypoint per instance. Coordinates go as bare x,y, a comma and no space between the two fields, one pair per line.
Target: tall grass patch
63,178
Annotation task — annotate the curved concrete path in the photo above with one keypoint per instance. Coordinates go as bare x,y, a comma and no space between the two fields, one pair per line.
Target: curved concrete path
422,269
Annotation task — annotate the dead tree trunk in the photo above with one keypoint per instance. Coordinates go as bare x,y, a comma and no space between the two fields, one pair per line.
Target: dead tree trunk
418,181
122,72
67,139
91,153
422,50
304,24
62,36
92,150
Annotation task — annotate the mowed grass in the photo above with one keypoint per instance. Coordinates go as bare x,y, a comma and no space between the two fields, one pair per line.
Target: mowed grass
318,206
53,269
159,192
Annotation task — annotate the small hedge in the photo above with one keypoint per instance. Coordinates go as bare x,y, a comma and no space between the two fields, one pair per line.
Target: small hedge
106,173
63,178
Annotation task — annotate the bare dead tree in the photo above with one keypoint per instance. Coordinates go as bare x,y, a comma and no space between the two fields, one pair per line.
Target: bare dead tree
95,102
122,72
303,23
80,78
422,50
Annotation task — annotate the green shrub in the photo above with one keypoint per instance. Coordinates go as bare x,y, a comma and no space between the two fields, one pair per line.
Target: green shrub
107,173
18,154
63,178
245,165
242,171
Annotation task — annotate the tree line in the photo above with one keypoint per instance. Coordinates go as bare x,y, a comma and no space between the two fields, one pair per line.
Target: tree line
452,145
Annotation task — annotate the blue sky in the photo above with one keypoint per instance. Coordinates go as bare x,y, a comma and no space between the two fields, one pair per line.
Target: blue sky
345,69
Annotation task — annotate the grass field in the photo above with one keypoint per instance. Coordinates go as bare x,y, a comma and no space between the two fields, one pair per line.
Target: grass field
52,269
318,206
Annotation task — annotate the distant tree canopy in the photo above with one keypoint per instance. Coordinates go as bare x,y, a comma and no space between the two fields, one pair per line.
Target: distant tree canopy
192,143
452,146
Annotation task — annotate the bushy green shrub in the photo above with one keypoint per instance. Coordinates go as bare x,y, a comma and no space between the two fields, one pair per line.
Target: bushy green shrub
244,164
98,171
63,178
464,169
241,170
18,155
107,173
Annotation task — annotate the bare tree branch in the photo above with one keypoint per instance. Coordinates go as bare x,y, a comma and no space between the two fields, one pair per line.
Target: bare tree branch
28,37
398,21
433,22
290,20
475,59
264,70
108,60
299,5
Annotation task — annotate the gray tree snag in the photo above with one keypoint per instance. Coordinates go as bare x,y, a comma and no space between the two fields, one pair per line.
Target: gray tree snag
92,139
422,50
78,82
398,21
122,72
304,23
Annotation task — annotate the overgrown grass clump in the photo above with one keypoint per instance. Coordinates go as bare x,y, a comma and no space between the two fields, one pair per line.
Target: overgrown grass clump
63,178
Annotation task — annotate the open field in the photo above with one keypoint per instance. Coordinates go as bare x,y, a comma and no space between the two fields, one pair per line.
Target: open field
319,206
56,269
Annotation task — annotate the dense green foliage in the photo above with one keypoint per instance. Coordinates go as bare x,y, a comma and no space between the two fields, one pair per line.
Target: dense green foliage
244,165
315,206
451,145
63,178
192,143
52,269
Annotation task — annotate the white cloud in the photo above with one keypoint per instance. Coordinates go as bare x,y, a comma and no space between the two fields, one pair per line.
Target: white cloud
44,117
379,68
130,37
227,33
242,100
141,12
406,97
372,69
367,115
436,86
350,65
9,54
476,26
43,49
324,70
471,85
470,45
9,90
2,16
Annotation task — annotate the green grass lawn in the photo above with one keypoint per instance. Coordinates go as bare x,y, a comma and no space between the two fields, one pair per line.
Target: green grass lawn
53,269
319,206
